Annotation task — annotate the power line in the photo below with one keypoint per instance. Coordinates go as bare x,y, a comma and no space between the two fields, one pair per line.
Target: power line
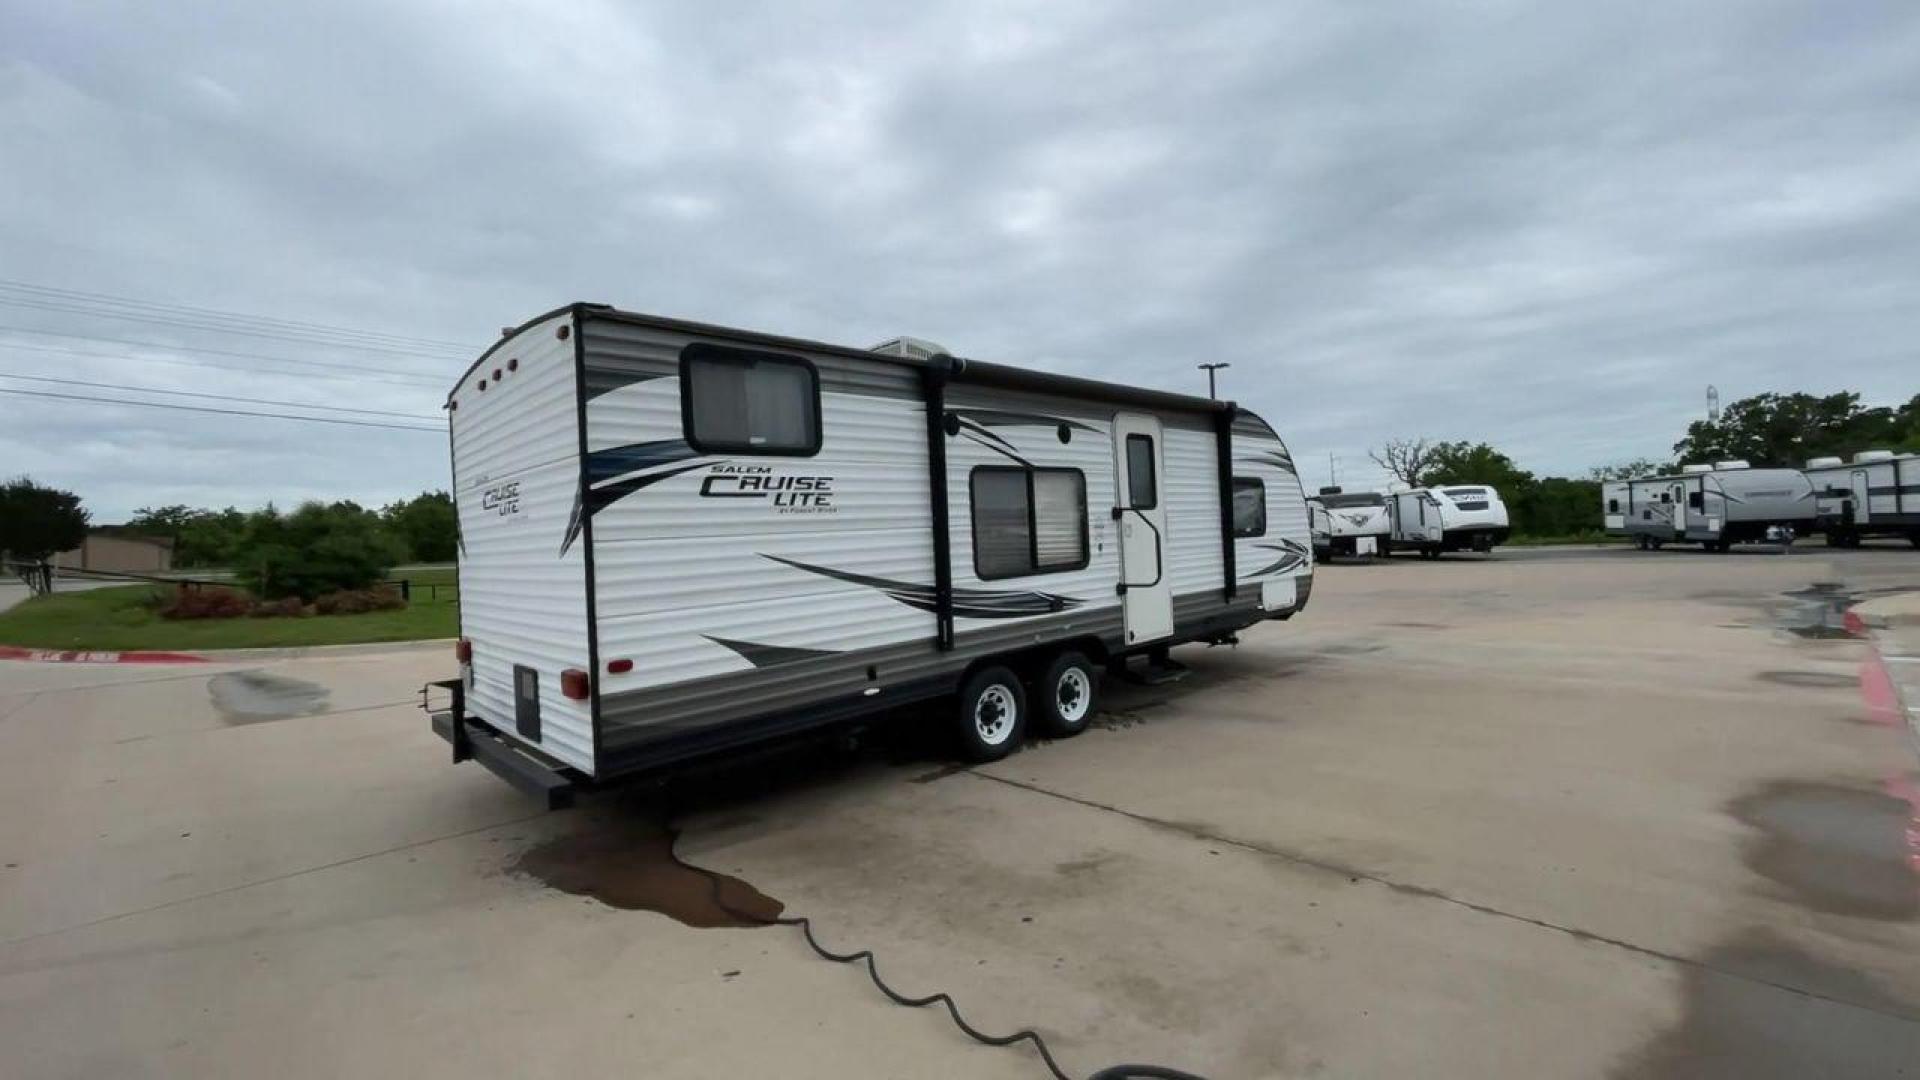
215,314
211,397
222,412
424,380
191,324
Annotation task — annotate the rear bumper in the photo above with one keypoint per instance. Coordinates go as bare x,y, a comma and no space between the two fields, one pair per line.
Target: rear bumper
473,739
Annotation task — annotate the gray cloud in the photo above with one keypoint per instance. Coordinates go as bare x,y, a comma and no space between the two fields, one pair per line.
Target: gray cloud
1549,227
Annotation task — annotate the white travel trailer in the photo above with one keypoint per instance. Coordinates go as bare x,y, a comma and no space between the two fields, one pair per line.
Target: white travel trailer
1348,522
1714,505
1458,517
1876,494
678,538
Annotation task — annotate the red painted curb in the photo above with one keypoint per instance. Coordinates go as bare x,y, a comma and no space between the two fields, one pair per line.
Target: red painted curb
69,656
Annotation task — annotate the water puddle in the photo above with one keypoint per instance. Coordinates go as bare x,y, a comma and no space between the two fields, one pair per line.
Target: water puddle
253,697
629,865
1817,612
1836,849
1810,679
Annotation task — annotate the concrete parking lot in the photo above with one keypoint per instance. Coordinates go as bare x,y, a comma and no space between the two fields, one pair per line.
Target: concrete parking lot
1547,814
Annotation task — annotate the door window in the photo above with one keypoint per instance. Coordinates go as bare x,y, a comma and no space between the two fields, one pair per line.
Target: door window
1143,487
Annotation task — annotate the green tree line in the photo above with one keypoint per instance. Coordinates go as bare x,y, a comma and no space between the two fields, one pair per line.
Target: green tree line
420,529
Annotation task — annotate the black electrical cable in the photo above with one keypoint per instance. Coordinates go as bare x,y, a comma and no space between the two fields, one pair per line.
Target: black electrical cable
1111,1072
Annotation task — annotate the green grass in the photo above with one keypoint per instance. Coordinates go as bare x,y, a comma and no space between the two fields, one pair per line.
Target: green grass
118,618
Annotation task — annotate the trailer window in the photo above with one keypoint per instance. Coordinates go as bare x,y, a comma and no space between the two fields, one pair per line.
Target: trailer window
1249,506
1613,506
1143,489
736,401
1028,521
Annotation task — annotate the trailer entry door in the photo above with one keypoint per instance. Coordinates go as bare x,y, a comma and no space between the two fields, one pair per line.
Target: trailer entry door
1140,515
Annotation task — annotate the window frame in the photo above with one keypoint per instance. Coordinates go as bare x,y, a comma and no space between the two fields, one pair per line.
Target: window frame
1262,485
1153,468
1033,568
698,350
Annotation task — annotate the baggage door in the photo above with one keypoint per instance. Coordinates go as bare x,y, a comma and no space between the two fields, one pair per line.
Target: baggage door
1140,517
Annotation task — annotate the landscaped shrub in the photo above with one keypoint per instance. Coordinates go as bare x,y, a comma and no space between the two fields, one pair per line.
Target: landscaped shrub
359,601
317,549
287,607
205,603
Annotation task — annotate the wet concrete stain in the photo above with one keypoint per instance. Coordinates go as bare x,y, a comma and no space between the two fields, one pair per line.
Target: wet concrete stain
1746,1013
628,864
1835,849
1809,679
253,697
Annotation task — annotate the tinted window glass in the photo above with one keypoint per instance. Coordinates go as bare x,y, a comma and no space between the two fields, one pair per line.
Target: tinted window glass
746,402
1028,521
1002,541
1143,489
1354,498
1249,506
1465,493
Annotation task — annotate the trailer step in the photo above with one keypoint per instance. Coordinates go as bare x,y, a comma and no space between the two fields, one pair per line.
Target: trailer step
480,743
1155,672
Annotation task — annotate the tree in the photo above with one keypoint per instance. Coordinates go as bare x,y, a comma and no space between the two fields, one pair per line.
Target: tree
200,537
1474,463
1406,459
426,525
35,523
1628,470
1783,430
317,549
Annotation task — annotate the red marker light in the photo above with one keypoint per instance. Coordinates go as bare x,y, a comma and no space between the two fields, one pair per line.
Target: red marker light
463,651
619,667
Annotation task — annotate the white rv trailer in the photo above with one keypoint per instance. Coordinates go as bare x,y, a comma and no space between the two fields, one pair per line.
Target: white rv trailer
1348,522
1876,494
677,538
1714,505
1456,517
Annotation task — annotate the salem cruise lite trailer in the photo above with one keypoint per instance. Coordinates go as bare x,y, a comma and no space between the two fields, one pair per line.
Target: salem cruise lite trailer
1715,505
1461,517
1876,494
678,538
1348,522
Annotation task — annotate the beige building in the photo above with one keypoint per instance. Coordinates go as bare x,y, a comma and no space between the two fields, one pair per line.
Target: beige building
119,553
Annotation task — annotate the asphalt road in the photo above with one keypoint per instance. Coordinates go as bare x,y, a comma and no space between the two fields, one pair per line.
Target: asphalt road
1546,814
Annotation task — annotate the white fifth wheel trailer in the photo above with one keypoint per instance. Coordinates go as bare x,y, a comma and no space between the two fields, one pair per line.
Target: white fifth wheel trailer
1714,505
1457,517
678,538
1348,522
1876,494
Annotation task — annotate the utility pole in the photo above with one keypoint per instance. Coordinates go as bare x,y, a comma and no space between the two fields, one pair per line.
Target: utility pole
1333,476
1210,369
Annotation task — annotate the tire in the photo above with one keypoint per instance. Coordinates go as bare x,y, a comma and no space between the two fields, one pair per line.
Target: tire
992,714
1646,542
1066,697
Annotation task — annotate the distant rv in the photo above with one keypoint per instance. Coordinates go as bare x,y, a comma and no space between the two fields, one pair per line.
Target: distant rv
1715,506
1348,522
1876,494
1464,517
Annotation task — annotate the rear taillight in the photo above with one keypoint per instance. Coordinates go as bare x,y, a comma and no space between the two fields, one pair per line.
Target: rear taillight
463,651
574,684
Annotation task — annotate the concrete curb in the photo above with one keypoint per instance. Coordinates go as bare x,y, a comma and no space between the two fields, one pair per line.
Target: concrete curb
298,652
1891,625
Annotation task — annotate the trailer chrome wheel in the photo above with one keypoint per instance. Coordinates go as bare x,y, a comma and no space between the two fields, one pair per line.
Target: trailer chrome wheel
1066,695
992,714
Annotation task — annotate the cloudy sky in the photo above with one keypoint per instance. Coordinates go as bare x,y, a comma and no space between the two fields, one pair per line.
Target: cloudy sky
1548,226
